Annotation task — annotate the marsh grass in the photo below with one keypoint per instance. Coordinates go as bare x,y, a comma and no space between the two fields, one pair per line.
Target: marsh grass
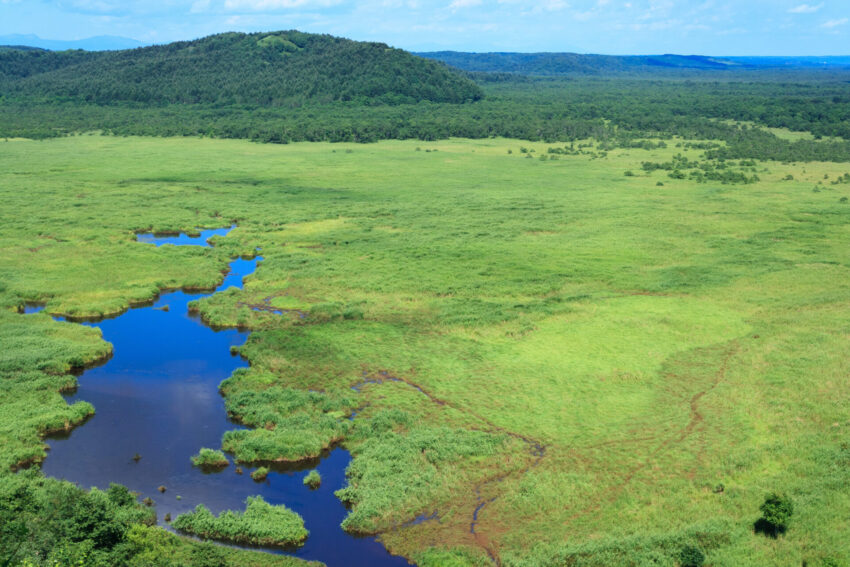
211,459
658,340
260,524
313,479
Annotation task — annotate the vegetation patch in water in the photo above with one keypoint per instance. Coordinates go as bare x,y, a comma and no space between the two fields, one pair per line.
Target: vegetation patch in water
210,459
290,424
313,479
260,524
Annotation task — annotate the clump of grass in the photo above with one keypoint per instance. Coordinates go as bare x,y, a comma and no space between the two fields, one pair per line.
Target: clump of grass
313,479
260,524
291,424
260,474
210,459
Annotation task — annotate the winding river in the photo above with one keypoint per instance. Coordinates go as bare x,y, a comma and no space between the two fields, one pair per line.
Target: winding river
157,397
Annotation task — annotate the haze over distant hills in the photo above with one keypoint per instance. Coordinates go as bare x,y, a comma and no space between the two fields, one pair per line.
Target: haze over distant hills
98,43
546,64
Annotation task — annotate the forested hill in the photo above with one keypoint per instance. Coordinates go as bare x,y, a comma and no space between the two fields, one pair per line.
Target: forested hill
264,69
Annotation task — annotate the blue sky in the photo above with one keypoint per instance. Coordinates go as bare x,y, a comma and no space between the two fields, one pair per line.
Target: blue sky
712,27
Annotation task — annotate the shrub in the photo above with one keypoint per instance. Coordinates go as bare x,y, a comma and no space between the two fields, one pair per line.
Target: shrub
776,510
691,556
260,474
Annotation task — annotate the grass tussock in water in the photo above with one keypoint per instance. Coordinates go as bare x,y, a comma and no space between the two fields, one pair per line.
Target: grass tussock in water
260,524
210,459
313,479
289,424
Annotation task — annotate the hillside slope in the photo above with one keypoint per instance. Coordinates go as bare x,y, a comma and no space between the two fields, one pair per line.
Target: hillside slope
274,69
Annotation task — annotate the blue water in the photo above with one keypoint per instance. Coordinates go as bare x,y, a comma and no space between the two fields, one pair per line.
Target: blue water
183,239
157,397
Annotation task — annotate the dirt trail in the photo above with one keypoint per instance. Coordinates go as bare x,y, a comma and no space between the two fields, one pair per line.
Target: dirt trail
696,418
536,448
486,491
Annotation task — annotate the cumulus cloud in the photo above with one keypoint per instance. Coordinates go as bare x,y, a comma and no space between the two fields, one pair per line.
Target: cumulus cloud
805,9
835,23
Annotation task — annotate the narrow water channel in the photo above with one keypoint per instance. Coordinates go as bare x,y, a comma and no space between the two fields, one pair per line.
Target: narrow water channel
158,397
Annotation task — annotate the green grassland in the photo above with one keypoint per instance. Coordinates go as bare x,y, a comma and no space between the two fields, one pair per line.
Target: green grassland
609,367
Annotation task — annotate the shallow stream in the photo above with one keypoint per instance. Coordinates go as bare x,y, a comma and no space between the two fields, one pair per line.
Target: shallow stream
157,397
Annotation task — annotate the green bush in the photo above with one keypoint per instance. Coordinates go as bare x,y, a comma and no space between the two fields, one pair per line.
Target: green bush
691,556
776,511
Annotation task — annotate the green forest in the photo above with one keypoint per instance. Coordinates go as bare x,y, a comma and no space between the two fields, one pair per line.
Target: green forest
291,86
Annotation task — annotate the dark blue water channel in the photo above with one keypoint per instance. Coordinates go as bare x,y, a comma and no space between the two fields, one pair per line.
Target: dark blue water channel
157,397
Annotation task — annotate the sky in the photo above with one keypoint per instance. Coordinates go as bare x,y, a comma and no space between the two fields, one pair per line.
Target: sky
706,27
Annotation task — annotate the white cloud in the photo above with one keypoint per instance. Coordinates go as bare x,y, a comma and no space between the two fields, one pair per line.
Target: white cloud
458,4
94,5
267,5
805,9
835,23
200,6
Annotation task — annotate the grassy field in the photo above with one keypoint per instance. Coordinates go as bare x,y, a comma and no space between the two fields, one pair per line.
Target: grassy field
606,367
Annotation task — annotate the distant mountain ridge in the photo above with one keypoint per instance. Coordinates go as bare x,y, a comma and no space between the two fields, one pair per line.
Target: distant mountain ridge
262,69
97,43
556,64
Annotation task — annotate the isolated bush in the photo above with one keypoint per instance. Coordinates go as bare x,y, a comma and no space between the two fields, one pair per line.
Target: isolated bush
776,511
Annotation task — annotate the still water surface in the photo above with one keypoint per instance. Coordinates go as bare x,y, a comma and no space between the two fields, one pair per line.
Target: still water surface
158,397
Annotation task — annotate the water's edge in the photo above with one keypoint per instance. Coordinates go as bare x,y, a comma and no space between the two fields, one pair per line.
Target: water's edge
157,397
